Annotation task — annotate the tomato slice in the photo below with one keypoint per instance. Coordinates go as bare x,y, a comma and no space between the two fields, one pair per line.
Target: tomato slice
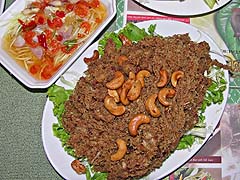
59,37
34,69
98,20
81,9
47,72
60,14
56,23
86,25
49,69
48,33
28,37
53,47
94,3
40,18
69,7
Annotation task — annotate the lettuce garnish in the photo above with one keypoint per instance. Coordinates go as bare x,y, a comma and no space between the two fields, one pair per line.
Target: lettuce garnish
131,31
59,95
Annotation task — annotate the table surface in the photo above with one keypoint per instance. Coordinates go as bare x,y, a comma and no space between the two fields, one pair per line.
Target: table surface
22,154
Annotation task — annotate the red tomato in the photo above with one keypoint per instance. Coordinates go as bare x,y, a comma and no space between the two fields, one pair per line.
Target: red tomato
49,69
50,24
94,3
47,72
28,37
48,33
53,47
98,20
69,7
86,25
56,23
34,68
81,9
59,37
60,14
40,18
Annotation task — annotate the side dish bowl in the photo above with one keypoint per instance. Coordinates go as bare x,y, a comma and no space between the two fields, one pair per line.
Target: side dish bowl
19,72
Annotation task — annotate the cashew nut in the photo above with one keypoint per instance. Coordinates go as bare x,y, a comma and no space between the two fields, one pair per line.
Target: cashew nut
131,76
94,57
122,149
122,59
135,90
124,91
126,87
163,78
112,106
141,75
125,40
135,122
78,166
116,82
151,106
113,93
175,77
164,94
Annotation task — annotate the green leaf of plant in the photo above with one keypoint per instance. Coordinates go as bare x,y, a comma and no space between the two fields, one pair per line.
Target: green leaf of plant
224,27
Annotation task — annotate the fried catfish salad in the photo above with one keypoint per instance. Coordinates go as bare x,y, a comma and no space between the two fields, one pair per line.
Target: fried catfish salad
127,115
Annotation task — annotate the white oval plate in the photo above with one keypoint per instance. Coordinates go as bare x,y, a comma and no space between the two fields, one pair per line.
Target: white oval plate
185,8
52,146
21,74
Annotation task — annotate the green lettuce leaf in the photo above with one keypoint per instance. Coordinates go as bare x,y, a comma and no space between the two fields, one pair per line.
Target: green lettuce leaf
59,95
131,31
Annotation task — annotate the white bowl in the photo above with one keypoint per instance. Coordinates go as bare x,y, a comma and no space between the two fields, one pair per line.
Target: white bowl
20,73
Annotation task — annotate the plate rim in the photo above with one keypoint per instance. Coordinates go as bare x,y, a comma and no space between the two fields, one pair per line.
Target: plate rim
223,104
151,8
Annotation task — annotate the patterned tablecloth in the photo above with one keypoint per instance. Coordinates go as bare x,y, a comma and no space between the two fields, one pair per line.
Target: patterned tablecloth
22,155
